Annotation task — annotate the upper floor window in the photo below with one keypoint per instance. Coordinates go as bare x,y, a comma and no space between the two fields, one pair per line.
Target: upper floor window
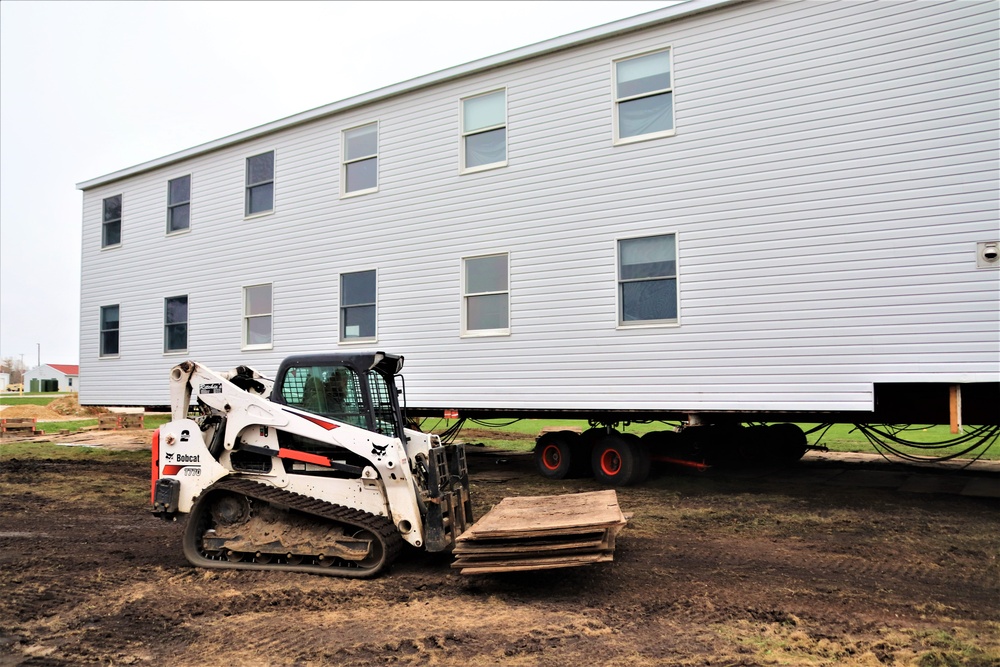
644,107
178,204
647,280
109,331
360,159
111,222
175,324
484,131
257,316
260,183
486,295
357,306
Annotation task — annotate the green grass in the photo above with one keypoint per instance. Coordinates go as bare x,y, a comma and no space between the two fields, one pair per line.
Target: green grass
29,399
47,450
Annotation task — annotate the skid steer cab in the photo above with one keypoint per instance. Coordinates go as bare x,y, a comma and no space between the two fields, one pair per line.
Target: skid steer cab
312,471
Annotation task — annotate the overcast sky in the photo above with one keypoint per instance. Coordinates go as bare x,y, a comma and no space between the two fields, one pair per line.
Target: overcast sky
88,88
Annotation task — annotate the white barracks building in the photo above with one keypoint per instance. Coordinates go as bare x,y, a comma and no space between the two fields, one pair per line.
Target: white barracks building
718,206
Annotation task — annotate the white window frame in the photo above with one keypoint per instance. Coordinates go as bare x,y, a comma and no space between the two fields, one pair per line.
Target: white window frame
615,100
463,134
246,317
187,324
344,161
340,313
104,223
172,206
477,333
101,330
247,215
646,324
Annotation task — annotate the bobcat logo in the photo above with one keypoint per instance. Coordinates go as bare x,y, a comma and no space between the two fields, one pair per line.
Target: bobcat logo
379,450
169,456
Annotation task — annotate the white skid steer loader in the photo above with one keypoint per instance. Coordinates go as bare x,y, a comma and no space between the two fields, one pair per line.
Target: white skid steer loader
313,471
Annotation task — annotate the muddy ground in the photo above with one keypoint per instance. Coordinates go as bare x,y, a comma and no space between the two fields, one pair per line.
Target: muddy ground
714,568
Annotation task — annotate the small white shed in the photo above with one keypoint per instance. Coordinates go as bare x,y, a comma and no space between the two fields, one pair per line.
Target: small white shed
52,378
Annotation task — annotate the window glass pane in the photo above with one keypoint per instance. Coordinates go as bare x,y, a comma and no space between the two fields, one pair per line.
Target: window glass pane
649,300
109,342
485,148
331,391
259,330
179,190
643,75
176,337
486,312
258,300
648,258
260,198
180,217
486,274
109,317
260,168
362,175
176,310
645,115
113,208
358,322
361,142
111,234
484,111
357,288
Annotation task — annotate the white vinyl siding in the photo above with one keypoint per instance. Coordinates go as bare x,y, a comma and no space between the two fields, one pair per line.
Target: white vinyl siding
830,178
257,323
484,131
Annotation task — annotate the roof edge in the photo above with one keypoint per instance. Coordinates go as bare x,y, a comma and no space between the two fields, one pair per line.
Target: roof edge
604,31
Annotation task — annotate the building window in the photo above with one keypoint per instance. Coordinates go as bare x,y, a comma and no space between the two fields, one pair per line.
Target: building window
647,280
486,295
260,183
360,158
357,306
111,226
644,106
109,331
484,131
257,316
178,204
175,324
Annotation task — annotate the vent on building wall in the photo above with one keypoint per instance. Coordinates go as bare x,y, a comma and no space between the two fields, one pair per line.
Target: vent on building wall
987,255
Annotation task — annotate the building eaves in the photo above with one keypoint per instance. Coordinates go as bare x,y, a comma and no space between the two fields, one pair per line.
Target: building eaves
605,31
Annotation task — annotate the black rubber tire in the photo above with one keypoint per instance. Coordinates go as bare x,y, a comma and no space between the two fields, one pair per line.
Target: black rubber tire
619,460
642,457
788,443
555,453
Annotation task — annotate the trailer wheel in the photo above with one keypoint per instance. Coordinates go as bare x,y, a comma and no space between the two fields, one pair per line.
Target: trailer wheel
620,460
554,454
789,443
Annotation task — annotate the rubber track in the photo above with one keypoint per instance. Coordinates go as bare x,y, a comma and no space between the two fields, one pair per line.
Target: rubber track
381,527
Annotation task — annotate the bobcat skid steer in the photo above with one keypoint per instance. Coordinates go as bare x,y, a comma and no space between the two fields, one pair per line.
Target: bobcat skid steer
313,471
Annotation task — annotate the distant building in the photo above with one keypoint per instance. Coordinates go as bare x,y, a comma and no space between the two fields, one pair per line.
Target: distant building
4,380
52,377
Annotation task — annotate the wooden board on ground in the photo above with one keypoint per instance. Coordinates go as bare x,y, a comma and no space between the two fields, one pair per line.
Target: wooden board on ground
541,532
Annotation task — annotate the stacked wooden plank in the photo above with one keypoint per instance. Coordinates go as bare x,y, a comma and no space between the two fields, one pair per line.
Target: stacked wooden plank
542,532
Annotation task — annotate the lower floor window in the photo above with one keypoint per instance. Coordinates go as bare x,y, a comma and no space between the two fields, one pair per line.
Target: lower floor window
257,315
486,294
109,331
175,324
647,280
358,305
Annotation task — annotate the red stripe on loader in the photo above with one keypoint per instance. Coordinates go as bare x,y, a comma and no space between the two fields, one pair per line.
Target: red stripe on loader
304,457
172,470
156,465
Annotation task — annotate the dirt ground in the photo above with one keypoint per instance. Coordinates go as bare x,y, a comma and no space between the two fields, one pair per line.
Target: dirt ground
715,568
